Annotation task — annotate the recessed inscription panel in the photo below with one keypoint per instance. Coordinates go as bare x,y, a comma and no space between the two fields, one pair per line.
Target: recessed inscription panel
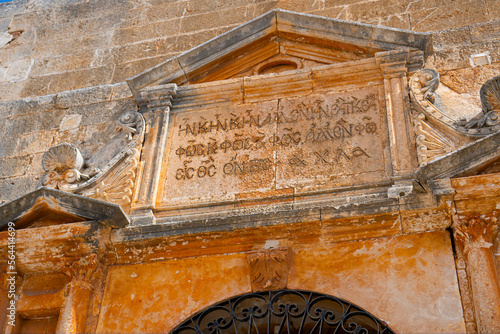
330,140
311,143
215,154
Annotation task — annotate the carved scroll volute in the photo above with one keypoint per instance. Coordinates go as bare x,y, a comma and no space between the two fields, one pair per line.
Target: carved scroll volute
269,269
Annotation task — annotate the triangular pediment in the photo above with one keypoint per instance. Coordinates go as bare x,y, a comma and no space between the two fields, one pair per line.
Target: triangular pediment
277,41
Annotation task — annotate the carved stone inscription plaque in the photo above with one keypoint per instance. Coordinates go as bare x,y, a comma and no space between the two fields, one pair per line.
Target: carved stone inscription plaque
316,142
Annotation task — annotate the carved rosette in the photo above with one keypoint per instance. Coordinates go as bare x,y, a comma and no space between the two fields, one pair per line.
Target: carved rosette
269,269
114,182
477,232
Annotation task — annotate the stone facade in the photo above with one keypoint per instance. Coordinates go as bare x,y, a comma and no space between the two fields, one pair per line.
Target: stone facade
160,157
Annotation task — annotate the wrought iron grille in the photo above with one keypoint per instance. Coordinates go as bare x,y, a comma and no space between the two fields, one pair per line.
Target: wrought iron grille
283,311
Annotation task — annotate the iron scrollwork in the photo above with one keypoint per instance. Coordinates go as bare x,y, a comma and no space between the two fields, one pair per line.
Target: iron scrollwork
283,311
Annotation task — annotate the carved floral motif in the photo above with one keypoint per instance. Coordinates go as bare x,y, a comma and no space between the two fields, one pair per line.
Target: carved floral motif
423,85
269,269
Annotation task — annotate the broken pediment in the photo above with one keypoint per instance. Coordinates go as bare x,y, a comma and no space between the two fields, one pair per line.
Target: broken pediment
278,41
47,207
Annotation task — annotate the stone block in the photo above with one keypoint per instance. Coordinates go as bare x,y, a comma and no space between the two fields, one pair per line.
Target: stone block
366,12
120,91
5,38
185,42
67,81
37,142
485,31
174,10
19,70
11,167
451,37
212,20
449,16
78,60
17,186
84,96
145,49
8,146
35,167
147,31
11,8
27,106
135,67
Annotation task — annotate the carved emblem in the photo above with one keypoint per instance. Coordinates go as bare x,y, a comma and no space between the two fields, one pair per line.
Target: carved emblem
62,164
477,232
269,269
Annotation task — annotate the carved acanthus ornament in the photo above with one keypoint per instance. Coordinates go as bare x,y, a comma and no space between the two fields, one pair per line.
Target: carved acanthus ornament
430,143
114,181
87,269
269,269
477,232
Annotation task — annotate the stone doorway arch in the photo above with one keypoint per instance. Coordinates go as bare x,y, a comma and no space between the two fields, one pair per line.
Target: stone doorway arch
283,311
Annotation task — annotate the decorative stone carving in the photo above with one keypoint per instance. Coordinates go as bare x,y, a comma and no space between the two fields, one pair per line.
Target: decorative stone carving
477,232
430,143
113,180
426,81
117,186
86,269
269,269
490,100
62,164
423,85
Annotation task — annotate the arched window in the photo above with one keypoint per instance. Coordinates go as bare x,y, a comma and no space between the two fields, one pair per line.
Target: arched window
283,311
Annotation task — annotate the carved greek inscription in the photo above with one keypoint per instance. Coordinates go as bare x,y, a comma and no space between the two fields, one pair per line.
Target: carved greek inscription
326,130
319,110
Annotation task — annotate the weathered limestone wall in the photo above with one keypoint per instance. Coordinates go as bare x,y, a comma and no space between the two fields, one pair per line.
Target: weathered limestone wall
409,281
30,126
47,47
52,46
